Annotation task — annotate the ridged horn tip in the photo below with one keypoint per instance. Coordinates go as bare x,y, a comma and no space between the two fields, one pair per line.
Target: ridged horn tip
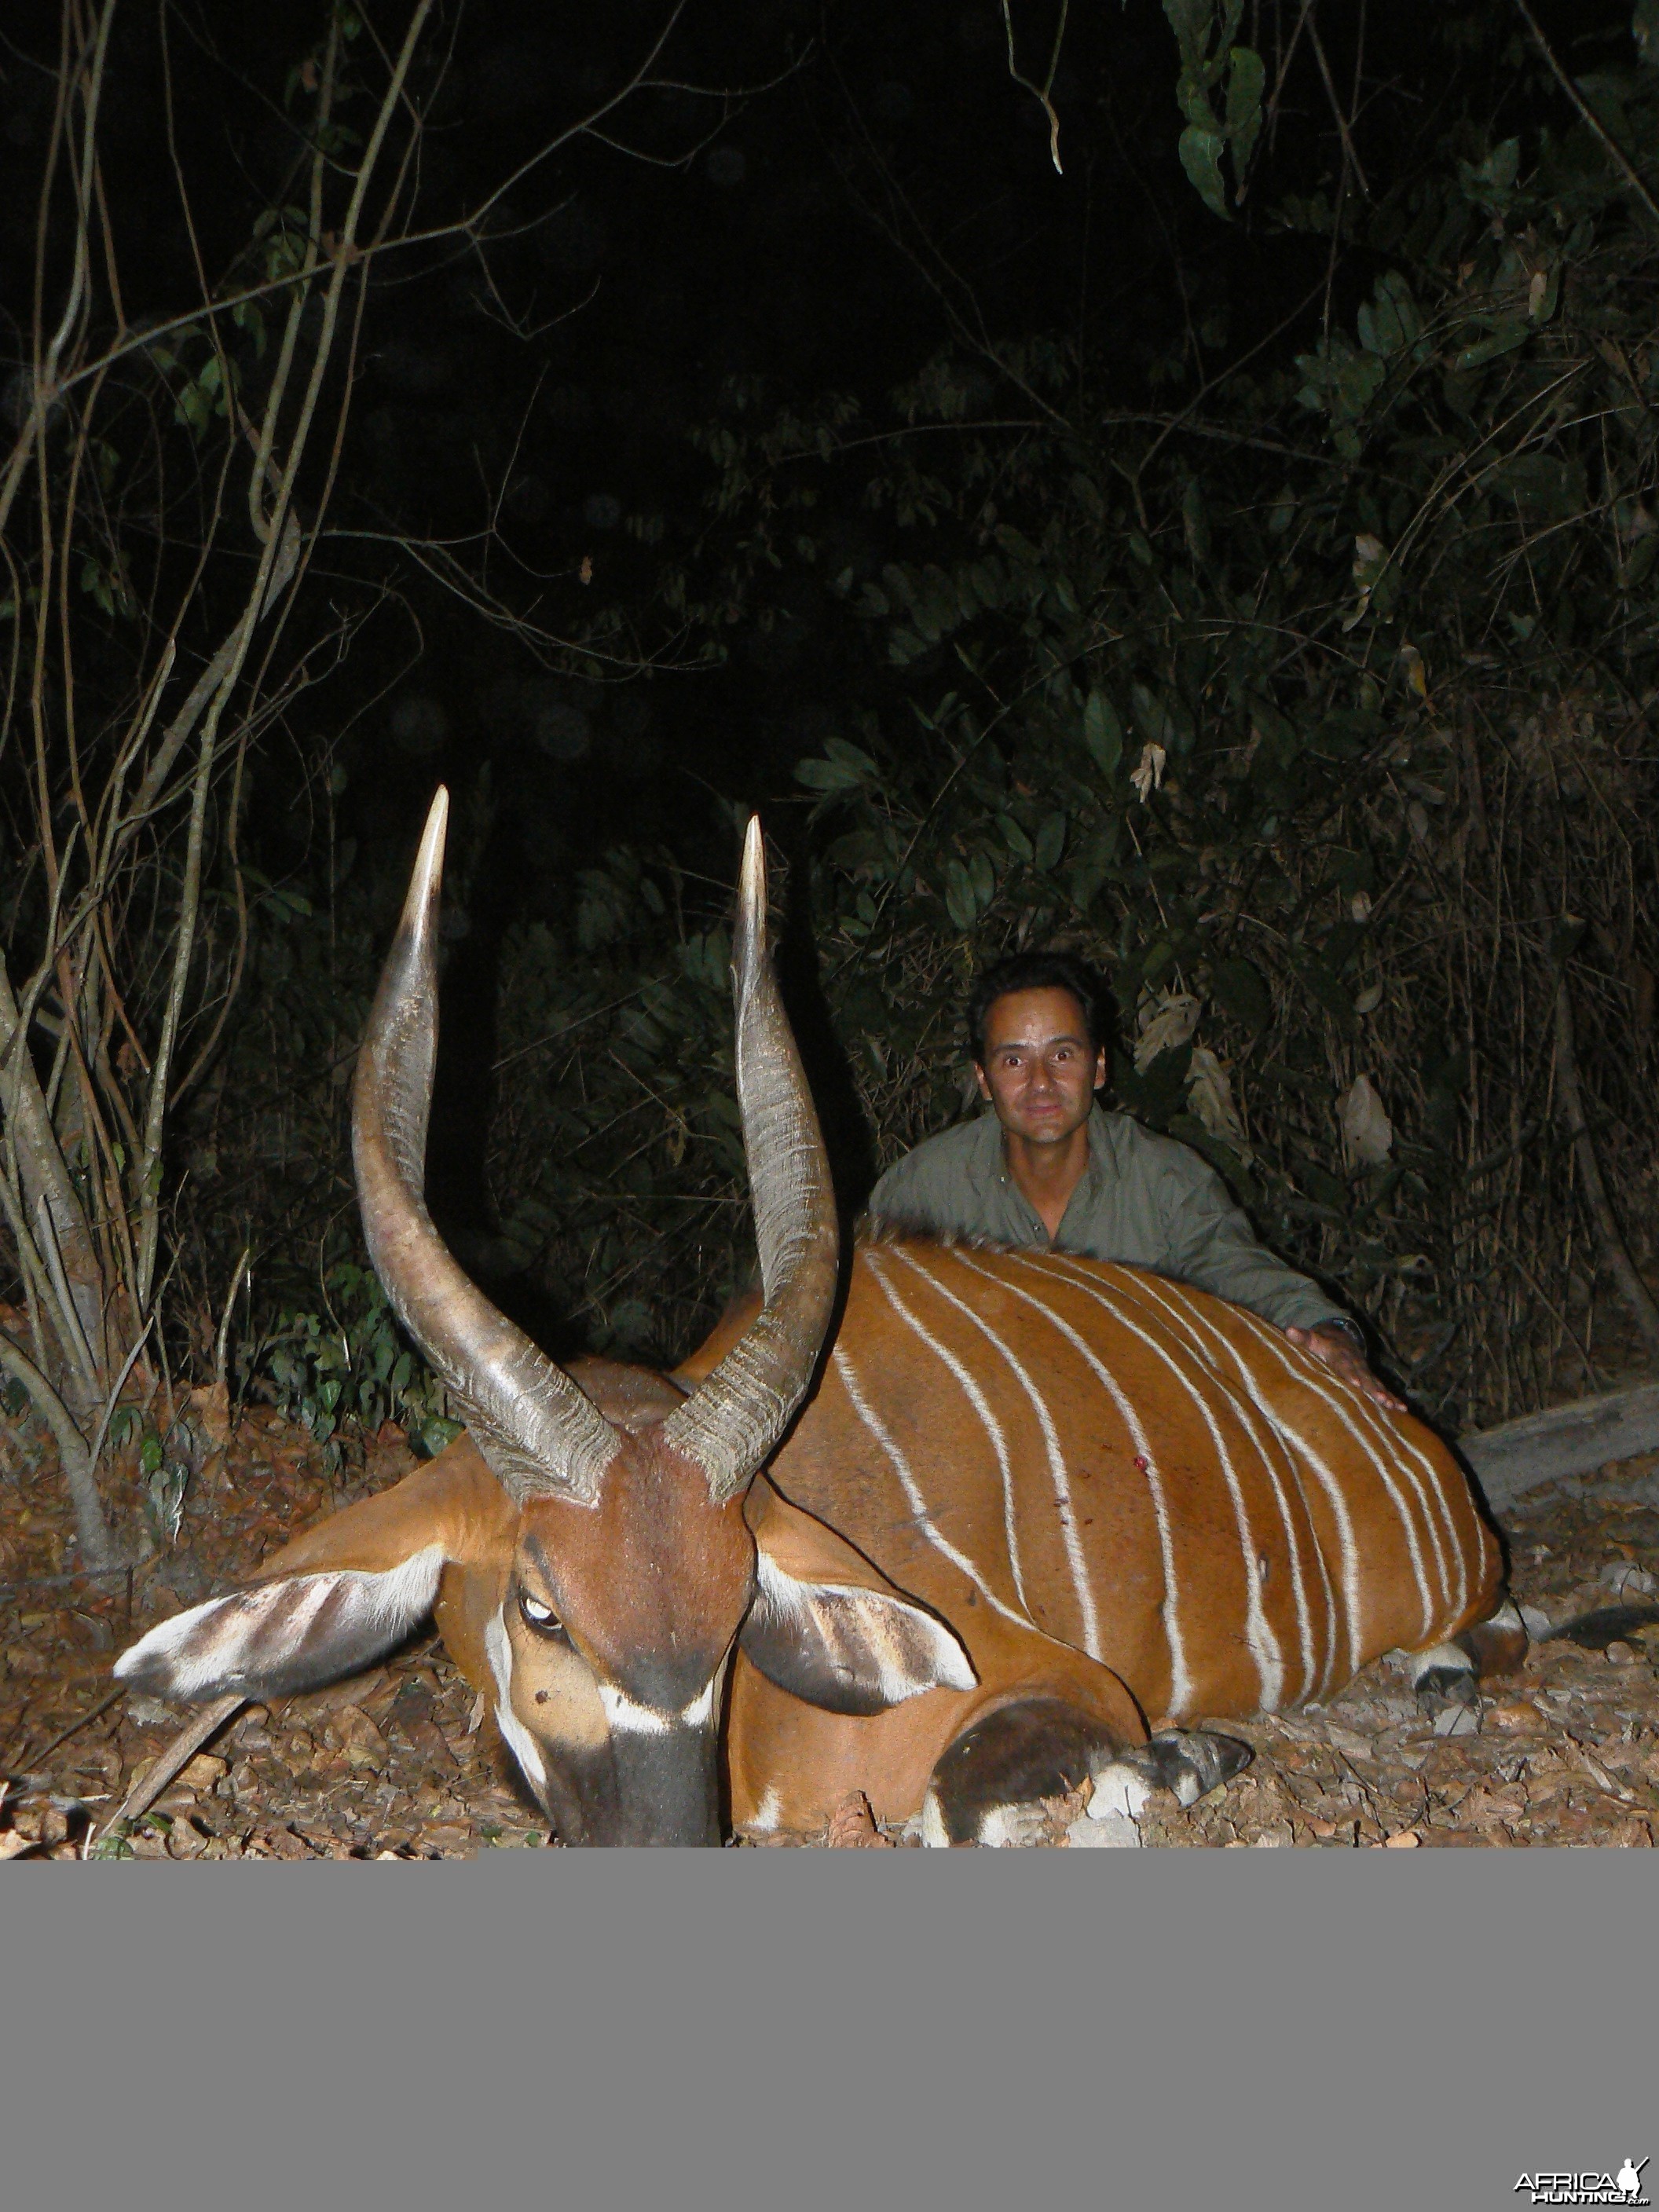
425,885
751,945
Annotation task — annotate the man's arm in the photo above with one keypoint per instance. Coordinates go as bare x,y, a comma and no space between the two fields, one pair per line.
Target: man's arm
1211,1242
1208,1240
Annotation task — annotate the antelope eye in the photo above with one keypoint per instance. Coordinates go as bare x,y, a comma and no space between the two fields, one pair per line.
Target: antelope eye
542,1618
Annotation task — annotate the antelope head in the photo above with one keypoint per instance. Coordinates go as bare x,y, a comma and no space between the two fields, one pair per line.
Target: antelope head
627,1551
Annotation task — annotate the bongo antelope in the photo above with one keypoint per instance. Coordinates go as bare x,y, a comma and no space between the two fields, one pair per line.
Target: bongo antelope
1034,1508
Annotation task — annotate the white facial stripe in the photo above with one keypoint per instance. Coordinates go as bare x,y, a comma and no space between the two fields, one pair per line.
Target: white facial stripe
625,1717
629,1718
701,1711
518,1738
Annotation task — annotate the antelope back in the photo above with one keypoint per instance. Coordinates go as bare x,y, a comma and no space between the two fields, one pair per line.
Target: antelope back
1135,1470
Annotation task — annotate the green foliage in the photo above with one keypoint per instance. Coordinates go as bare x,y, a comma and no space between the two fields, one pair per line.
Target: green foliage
1315,702
163,1469
1211,67
350,1365
1289,735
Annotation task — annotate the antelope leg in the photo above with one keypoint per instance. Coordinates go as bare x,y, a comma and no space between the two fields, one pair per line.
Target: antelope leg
988,1785
1449,1673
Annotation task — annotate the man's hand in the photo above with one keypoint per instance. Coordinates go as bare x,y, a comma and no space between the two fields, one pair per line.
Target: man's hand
1336,1349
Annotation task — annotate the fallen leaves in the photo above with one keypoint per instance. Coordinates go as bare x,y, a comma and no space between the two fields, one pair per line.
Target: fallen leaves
352,1732
1567,1752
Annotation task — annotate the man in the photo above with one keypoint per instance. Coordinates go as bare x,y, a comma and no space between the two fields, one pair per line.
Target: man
1049,1168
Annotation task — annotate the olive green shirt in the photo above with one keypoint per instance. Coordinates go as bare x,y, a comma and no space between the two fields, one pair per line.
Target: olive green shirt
1144,1200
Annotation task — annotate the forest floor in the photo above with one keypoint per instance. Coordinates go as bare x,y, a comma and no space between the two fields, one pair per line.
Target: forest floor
403,1763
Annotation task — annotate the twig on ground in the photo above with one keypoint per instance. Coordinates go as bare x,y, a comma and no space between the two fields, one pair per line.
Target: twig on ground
33,1761
172,1761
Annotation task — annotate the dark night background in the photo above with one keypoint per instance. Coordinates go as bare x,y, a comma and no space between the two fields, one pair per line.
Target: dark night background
640,472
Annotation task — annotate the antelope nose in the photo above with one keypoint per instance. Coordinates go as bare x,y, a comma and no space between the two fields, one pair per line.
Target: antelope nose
668,1788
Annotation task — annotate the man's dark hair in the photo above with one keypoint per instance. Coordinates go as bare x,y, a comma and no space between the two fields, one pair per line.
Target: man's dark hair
1040,971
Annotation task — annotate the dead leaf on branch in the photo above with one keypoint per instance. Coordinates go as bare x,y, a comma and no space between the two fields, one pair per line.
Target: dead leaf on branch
1371,557
1147,776
1210,1095
1166,1021
1367,1132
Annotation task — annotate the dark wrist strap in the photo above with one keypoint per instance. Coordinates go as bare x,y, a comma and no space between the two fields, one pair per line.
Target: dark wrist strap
1350,1329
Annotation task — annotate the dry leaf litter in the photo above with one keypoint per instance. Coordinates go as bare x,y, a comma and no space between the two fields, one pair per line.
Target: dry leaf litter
403,1763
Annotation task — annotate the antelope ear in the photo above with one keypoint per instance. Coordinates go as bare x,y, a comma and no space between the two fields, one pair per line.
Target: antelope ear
336,1598
294,1633
830,1628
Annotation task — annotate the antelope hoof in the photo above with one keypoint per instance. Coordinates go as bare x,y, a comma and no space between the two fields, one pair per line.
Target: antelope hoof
1444,1675
1187,1763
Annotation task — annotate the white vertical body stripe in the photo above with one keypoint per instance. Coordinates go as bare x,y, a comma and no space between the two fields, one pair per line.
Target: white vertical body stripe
1181,1682
1271,1341
1388,1448
1259,1636
1279,1461
1057,1470
1430,1497
1431,1494
1352,1601
1066,1511
843,1367
981,1405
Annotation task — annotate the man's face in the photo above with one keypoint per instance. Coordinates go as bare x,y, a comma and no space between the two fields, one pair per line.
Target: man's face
1040,1072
